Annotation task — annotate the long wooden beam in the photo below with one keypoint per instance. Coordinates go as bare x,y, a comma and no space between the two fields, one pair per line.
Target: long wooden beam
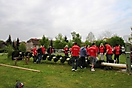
20,68
114,65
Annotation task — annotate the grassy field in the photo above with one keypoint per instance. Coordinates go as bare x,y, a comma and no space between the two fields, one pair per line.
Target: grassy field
57,75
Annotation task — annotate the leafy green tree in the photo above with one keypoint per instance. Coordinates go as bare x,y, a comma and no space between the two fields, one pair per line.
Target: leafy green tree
9,49
87,42
116,40
60,42
44,41
22,47
76,38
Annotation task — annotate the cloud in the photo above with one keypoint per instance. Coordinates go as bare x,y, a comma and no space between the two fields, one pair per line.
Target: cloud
26,18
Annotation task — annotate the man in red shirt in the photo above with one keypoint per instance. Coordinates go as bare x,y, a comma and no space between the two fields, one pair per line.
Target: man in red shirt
75,50
34,54
109,52
43,49
92,55
116,53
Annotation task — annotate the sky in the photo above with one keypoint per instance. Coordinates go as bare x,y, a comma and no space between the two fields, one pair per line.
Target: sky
25,19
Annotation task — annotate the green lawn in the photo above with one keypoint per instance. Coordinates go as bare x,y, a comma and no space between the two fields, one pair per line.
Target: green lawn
57,75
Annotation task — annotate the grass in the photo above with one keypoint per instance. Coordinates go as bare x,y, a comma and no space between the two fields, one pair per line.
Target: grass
57,75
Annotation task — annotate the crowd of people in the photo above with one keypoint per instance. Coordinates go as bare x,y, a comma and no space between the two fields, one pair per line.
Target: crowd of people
79,54
94,53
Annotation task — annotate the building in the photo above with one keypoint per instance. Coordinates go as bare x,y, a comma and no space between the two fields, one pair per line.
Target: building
31,43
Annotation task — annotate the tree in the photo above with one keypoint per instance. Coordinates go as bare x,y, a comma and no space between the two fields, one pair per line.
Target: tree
22,47
60,42
8,41
65,39
9,49
17,44
13,45
90,37
76,38
115,40
44,41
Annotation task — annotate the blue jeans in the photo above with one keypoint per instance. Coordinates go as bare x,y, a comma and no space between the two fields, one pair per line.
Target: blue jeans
74,62
39,58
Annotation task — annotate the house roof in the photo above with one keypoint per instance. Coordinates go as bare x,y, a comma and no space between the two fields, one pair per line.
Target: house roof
35,41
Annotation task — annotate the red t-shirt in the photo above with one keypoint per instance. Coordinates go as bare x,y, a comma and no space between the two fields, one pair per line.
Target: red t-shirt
43,50
87,50
101,49
66,49
75,50
109,49
117,50
34,51
93,51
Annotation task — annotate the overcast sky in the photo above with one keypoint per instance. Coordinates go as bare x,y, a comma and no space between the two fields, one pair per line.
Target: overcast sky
25,19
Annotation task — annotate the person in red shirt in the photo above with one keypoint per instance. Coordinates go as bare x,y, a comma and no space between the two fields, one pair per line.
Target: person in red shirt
75,50
116,53
87,48
92,56
109,52
43,49
66,49
34,54
101,51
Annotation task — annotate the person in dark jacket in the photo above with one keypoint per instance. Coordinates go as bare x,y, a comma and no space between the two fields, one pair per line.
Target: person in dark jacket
83,54
40,53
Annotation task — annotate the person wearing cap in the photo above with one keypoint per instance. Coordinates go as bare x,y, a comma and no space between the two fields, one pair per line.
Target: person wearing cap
75,50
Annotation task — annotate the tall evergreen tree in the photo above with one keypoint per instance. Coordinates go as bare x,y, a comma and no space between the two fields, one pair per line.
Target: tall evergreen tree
8,41
17,44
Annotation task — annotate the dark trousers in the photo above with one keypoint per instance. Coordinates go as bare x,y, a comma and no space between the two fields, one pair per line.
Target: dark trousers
34,58
74,62
116,57
39,58
82,62
108,58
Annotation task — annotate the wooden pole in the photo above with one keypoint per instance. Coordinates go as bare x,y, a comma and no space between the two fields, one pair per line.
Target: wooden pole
20,68
114,65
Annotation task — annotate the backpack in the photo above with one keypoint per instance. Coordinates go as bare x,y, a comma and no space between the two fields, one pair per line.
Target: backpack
19,84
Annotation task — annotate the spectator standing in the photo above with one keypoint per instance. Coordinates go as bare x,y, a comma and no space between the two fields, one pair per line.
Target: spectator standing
109,52
101,51
34,54
117,52
83,54
50,50
66,50
92,56
40,53
75,56
43,49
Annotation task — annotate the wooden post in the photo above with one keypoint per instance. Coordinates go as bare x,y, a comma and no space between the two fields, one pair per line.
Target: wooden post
128,58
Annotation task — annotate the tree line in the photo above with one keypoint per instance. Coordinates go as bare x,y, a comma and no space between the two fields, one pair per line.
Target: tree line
60,42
